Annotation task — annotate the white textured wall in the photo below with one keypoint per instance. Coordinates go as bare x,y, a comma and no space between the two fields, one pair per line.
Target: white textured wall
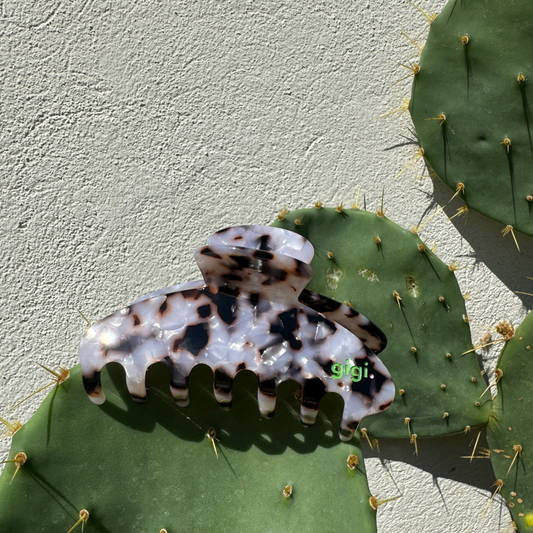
131,130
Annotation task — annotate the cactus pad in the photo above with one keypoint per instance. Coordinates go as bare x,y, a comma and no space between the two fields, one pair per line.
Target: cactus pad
388,274
508,433
142,468
471,106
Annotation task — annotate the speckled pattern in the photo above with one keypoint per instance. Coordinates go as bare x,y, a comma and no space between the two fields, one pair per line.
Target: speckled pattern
247,315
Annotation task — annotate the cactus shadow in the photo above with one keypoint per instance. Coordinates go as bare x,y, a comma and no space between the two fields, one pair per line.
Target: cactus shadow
238,428
440,457
498,253
49,419
62,499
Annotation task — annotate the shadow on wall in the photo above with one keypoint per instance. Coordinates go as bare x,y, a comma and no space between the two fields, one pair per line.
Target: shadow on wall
440,457
499,253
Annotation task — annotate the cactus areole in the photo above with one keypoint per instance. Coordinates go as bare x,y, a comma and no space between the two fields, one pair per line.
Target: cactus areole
250,312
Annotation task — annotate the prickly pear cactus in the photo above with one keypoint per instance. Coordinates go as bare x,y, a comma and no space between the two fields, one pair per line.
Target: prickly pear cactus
156,466
471,106
143,456
389,275
508,434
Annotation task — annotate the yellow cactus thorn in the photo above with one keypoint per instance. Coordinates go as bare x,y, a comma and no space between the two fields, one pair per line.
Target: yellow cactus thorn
521,78
85,318
509,229
163,530
476,347
84,516
61,375
398,299
416,229
415,69
413,441
381,210
498,484
352,461
282,213
467,429
12,427
464,39
463,210
355,205
298,222
441,118
518,452
377,240
339,208
529,198
318,204
454,266
413,42
460,189
375,503
20,459
407,422
287,491
475,447
404,106
418,156
430,17
401,392
507,143
211,435
364,432
330,255
484,454
498,374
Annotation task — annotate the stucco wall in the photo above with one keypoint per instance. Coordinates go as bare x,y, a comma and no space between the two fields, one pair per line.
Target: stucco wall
132,130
